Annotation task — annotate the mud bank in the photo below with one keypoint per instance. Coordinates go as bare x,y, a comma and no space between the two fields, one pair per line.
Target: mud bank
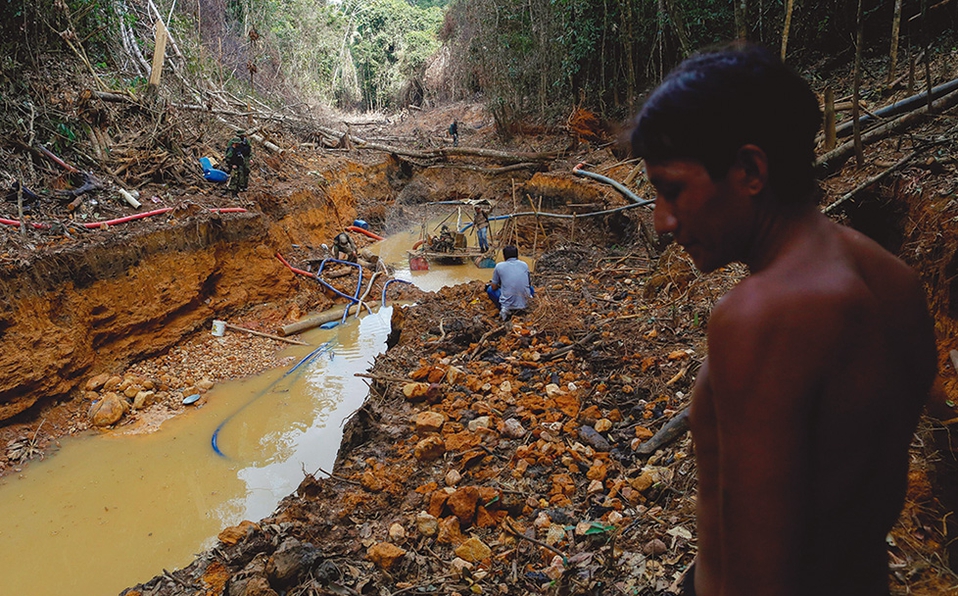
84,306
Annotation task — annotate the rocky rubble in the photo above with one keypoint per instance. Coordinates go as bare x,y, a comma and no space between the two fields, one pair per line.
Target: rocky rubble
152,390
496,457
502,459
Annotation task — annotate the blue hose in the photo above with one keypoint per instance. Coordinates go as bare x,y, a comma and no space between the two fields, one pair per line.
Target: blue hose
326,347
386,285
354,299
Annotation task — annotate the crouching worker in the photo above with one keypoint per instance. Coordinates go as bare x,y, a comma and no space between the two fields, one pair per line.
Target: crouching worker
819,362
344,249
511,285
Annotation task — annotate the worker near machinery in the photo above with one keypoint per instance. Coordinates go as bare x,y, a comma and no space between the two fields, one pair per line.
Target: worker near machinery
444,242
511,285
480,221
819,362
238,152
344,249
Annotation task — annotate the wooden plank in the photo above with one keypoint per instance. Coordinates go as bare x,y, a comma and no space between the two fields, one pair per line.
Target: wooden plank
159,50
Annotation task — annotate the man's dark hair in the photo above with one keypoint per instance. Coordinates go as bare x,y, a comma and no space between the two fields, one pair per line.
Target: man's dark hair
510,252
715,102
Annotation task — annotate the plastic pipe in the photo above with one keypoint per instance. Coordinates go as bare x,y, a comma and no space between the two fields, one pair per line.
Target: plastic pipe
214,440
354,299
578,171
369,288
36,226
904,105
366,232
293,269
119,220
112,222
359,283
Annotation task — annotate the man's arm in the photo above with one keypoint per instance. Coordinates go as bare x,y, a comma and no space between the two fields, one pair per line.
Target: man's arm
496,280
768,353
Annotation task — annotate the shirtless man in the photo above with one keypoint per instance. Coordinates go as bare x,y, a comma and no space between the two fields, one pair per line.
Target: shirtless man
819,362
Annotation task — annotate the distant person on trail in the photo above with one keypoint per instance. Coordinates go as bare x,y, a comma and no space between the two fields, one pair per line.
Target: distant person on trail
238,153
480,221
511,285
454,133
344,249
819,362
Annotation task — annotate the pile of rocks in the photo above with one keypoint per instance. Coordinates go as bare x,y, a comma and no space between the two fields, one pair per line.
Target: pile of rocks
112,396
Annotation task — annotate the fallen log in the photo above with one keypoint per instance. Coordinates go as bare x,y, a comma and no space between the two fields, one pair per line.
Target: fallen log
327,316
830,162
444,152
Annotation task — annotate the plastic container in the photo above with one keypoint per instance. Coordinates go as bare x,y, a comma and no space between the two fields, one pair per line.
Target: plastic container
211,173
219,328
361,223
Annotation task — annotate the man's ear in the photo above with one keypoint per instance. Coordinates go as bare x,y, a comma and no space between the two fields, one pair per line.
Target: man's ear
752,163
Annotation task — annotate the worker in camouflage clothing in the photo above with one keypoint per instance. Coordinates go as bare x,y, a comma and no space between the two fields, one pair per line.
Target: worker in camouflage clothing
237,156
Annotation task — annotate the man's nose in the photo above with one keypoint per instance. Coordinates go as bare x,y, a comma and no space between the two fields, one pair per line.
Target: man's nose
663,219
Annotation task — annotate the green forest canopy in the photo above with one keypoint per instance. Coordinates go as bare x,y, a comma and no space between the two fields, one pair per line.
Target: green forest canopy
528,58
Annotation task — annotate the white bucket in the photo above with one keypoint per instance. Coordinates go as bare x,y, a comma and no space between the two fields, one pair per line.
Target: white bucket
219,328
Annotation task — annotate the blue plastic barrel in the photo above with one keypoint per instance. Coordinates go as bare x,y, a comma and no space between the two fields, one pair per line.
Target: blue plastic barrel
361,223
211,173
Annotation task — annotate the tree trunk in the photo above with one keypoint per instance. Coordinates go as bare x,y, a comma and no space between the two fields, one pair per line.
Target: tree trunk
830,136
631,84
927,39
788,23
741,18
661,39
893,53
856,84
911,74
678,24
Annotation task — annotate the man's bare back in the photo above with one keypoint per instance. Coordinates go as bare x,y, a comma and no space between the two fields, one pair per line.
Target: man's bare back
819,365
819,362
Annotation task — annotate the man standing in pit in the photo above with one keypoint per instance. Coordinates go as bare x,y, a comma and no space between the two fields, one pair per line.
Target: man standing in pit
511,285
819,362
454,133
238,153
480,221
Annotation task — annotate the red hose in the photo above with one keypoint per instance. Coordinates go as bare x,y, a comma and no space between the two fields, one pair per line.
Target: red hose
13,222
366,232
113,222
293,269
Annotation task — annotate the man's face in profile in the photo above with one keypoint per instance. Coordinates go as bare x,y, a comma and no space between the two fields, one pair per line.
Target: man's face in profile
710,219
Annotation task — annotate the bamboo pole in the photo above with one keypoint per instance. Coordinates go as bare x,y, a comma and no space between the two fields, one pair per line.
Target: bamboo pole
266,335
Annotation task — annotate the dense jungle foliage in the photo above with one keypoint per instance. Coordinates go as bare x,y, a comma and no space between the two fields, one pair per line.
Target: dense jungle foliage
528,58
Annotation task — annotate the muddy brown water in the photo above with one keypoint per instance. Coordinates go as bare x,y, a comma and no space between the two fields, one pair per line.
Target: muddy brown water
108,511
